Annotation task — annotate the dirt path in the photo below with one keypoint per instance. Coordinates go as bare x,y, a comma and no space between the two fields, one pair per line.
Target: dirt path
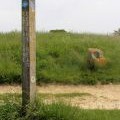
102,96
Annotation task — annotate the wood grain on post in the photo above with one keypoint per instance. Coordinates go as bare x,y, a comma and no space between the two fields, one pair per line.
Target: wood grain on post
28,52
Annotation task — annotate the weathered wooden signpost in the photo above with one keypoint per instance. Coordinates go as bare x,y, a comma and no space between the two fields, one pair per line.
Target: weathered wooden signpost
28,52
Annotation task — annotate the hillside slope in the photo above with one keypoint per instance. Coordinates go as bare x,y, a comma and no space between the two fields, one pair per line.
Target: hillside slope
61,58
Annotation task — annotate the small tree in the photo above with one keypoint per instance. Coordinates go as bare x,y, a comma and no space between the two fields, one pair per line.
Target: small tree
117,32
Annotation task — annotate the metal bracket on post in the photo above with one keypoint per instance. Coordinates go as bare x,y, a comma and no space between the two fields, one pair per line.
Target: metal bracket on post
28,52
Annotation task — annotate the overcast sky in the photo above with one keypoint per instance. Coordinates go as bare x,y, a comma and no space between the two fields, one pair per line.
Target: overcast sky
99,16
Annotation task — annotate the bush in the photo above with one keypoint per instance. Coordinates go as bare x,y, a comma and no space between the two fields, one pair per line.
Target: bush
58,31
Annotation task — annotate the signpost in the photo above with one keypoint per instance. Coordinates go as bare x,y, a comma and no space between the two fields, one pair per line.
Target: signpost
28,52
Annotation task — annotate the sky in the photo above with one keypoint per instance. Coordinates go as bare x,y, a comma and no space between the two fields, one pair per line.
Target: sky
93,16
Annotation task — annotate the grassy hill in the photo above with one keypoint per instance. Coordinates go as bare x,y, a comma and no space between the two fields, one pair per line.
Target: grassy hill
61,58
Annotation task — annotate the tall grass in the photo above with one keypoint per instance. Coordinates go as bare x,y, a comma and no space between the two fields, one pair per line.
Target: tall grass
61,58
55,111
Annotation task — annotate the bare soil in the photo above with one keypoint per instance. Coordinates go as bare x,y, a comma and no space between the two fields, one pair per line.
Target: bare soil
102,96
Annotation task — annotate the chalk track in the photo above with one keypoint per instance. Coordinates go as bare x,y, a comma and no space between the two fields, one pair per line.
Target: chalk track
101,96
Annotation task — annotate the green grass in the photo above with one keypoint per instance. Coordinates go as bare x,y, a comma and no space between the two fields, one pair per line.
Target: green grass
62,95
72,95
61,58
17,97
11,110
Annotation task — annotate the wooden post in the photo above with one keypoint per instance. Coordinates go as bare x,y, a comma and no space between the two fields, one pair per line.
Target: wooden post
28,52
